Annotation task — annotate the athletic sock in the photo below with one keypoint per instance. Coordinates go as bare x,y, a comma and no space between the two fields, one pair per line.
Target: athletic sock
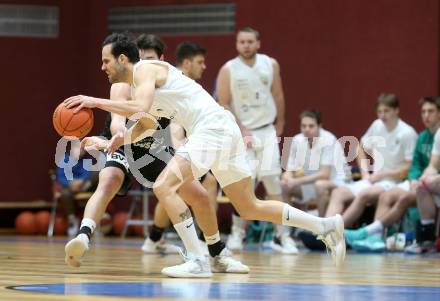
216,249
296,218
375,227
188,235
425,232
87,227
215,245
156,233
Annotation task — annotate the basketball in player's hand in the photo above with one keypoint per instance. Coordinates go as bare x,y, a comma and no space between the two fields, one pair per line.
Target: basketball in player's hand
67,123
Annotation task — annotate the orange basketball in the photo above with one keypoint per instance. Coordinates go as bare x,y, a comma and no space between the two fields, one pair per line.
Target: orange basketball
42,219
66,123
25,223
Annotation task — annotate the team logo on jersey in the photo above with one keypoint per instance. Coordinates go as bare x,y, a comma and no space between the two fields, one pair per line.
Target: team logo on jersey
264,79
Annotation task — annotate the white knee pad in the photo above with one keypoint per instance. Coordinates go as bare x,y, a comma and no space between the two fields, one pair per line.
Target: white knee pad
272,184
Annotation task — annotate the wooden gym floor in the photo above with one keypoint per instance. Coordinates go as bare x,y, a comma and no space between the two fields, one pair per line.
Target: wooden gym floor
32,268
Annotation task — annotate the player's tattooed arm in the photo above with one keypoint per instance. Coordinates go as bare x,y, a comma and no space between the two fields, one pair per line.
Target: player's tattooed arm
185,215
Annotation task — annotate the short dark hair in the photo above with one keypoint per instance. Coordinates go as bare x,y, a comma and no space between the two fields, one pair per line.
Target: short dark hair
122,43
251,30
312,113
151,41
188,50
435,100
389,100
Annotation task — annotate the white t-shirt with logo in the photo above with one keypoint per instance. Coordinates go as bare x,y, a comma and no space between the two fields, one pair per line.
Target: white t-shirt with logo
389,149
325,151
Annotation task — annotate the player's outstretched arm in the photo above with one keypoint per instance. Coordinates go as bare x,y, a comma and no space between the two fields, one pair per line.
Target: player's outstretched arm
145,82
121,107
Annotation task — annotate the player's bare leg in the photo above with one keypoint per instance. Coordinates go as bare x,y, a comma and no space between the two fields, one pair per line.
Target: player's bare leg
110,181
330,230
177,177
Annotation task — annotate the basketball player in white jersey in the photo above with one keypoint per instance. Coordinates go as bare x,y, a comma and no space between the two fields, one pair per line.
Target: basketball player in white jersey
191,59
120,165
214,143
250,87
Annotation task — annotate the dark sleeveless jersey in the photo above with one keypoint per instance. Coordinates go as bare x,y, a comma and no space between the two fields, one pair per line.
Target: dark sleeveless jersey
154,145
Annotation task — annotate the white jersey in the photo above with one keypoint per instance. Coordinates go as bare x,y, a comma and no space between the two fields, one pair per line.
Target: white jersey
252,99
390,148
183,100
436,145
325,151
